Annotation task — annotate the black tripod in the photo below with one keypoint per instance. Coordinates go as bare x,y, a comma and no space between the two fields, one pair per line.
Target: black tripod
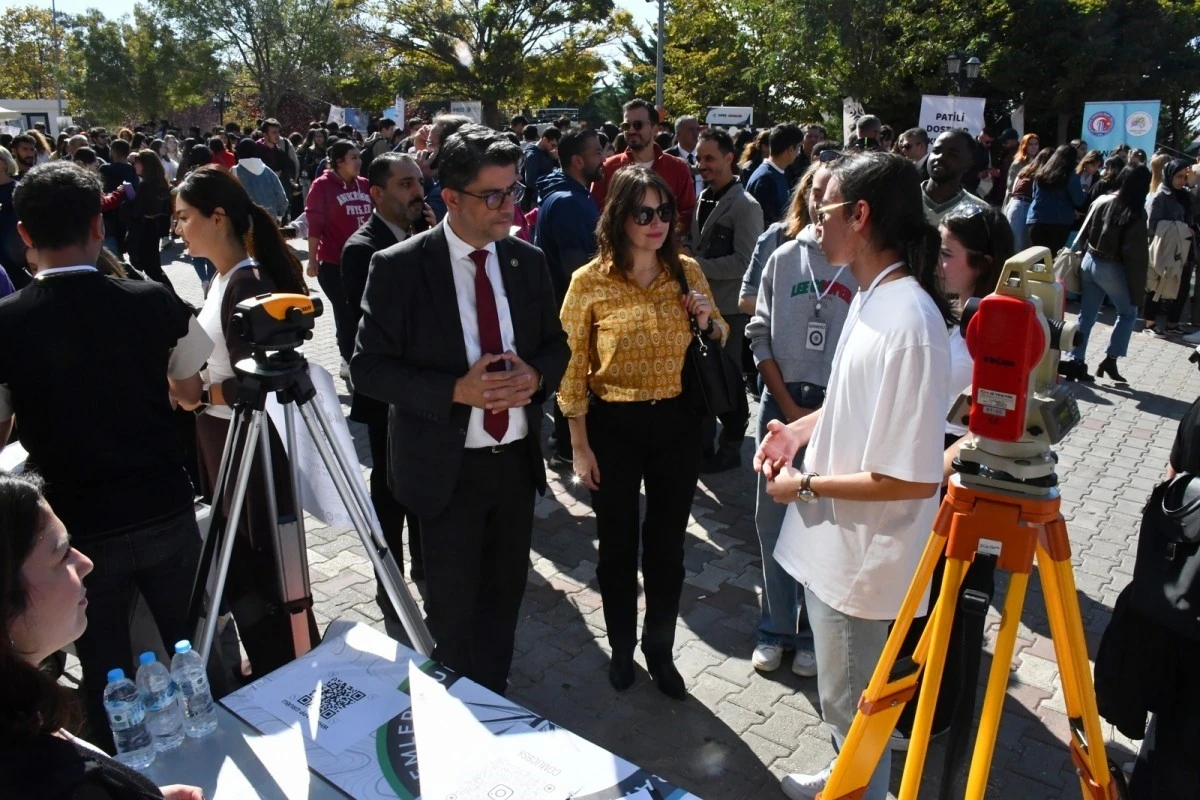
281,323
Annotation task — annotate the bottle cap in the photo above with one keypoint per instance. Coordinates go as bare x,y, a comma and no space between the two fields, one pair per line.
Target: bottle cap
182,646
116,675
147,657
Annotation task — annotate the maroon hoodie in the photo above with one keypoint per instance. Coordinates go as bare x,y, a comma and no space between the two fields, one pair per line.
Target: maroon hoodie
335,209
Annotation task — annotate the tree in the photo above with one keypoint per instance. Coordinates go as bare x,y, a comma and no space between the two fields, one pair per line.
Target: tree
136,68
512,52
280,45
28,54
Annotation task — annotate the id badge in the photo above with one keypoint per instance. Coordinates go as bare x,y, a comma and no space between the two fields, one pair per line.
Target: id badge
816,336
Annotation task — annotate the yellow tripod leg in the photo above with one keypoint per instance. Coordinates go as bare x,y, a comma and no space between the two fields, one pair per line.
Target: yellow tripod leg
997,686
1070,648
885,695
943,617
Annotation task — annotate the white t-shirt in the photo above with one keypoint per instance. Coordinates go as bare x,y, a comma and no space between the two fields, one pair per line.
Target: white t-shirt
219,366
883,413
962,370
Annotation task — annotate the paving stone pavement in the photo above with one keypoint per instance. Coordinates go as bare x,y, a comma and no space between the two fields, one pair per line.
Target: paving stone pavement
741,730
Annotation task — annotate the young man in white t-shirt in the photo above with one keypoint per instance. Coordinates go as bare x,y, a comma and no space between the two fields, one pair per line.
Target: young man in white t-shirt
862,506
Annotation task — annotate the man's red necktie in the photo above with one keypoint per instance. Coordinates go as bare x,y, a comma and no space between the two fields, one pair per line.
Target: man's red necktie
490,342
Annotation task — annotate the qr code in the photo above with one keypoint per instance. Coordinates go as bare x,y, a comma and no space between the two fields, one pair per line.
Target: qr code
336,695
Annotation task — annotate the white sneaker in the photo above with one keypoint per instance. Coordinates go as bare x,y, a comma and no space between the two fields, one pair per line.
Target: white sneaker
767,657
1192,338
799,786
804,663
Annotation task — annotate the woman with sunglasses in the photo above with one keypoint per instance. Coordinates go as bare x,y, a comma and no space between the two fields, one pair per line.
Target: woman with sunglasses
627,322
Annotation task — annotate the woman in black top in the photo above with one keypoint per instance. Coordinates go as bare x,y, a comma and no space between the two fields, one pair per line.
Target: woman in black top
147,211
44,607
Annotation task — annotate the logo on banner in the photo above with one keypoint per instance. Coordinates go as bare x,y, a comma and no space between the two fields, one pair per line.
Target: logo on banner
1139,123
1100,124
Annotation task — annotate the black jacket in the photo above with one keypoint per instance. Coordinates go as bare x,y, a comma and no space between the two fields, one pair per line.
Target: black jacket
373,236
410,353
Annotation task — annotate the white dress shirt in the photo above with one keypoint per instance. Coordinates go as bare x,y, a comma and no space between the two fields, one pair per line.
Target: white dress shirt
463,269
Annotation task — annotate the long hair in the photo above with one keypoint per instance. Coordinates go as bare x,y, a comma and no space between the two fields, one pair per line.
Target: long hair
1037,163
210,187
154,180
797,213
988,239
626,192
1058,169
31,702
1022,156
1092,157
1130,202
891,188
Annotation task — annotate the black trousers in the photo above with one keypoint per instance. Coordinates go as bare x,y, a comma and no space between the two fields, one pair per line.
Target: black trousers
656,443
477,562
1046,234
733,424
144,254
1172,308
159,561
329,276
392,515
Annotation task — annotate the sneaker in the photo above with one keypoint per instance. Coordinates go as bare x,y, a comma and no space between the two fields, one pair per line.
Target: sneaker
1192,338
898,742
799,786
804,663
767,657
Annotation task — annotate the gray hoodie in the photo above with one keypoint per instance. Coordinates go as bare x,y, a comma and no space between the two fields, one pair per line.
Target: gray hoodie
787,304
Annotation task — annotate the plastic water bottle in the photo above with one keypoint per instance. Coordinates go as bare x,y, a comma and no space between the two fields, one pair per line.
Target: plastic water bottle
164,717
127,719
187,670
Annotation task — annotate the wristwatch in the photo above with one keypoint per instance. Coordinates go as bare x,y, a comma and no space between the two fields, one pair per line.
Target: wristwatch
805,492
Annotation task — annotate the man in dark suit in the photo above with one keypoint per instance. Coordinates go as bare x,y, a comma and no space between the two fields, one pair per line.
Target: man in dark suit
687,134
460,335
400,210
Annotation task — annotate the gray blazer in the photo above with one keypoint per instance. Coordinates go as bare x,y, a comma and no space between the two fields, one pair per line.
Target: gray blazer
725,244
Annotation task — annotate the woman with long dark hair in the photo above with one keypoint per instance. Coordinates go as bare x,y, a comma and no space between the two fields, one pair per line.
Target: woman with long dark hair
43,605
622,396
861,507
311,154
1057,198
219,222
1017,210
1115,258
147,213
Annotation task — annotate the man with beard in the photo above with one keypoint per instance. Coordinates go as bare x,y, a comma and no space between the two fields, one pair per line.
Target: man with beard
566,230
950,158
24,150
400,211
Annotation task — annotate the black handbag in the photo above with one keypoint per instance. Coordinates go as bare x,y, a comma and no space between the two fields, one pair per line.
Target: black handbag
712,380
1166,574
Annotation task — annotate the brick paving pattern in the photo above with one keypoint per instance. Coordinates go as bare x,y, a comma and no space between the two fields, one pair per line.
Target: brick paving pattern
741,730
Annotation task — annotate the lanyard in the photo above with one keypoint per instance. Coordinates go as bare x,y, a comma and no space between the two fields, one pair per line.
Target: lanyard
812,275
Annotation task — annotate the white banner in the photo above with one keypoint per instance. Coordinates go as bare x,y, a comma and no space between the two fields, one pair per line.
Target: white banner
851,111
1018,120
730,116
337,114
398,111
940,114
472,109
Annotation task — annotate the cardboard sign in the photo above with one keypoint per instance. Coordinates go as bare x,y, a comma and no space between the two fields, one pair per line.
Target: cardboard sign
940,114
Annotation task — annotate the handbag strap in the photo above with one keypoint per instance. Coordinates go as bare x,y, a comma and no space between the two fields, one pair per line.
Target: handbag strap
1181,480
683,285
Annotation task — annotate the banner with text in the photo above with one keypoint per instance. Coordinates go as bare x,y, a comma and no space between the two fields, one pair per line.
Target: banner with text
471,109
940,114
851,111
1109,124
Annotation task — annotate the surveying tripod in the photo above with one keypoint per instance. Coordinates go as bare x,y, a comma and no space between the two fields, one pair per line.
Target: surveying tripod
1004,493
276,325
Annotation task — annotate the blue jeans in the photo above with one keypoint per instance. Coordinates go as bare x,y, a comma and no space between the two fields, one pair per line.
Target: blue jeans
205,270
1018,209
1099,277
847,650
782,623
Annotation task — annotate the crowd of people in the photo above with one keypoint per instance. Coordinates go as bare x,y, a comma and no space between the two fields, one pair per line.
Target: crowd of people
481,281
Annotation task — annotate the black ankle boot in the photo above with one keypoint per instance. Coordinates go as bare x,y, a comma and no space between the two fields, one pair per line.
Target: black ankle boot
667,678
1109,367
620,670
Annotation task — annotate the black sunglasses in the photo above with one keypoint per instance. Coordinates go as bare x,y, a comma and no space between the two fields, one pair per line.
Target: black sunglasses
644,215
827,156
637,125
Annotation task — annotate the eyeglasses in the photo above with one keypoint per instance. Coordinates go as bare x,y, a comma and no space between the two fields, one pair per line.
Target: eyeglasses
968,211
823,211
906,146
636,124
495,199
644,215
827,156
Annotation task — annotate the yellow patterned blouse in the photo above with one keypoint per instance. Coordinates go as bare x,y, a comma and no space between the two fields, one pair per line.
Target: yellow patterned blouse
627,343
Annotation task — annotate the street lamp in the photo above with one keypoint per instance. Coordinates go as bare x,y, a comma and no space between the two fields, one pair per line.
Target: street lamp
962,78
658,67
222,100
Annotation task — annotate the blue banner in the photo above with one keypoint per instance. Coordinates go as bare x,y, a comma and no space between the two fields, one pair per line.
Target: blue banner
1107,125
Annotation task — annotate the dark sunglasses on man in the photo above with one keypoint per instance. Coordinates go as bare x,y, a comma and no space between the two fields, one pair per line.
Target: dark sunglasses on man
644,215
636,124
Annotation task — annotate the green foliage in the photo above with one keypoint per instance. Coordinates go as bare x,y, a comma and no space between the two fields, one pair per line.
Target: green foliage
27,53
504,53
